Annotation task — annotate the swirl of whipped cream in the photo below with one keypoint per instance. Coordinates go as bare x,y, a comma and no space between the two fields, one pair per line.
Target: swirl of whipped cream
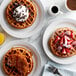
21,13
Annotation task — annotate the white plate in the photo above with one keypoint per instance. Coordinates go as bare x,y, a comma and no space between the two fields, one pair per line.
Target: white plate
22,33
51,28
20,43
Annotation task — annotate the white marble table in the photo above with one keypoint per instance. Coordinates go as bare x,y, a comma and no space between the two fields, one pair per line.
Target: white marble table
37,41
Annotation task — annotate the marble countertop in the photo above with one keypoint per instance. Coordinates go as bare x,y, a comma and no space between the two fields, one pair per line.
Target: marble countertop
37,40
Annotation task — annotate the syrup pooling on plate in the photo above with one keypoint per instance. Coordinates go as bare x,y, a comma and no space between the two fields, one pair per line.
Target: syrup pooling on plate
63,42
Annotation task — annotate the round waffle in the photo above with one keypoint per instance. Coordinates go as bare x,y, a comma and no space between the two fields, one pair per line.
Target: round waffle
56,41
32,13
15,56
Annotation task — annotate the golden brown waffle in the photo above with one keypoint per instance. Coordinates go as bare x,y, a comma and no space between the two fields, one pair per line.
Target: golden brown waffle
24,59
32,13
54,45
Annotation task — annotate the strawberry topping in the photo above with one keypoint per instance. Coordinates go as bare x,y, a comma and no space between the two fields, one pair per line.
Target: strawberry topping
74,43
56,40
71,34
61,41
66,42
67,50
64,51
70,41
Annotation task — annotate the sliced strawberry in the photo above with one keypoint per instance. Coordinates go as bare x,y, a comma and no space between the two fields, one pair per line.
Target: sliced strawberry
69,42
61,41
66,37
64,51
56,40
67,50
65,40
62,34
74,43
71,34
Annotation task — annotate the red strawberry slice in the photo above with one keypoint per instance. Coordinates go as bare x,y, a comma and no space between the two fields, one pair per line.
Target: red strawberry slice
61,41
62,34
71,34
64,51
74,43
67,50
69,42
56,40
66,37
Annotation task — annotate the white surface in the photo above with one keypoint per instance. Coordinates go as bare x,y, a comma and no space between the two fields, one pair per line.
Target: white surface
59,23
20,43
22,33
36,39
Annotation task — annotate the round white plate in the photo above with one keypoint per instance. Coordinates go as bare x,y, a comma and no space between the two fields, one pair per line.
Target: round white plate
51,28
20,43
22,33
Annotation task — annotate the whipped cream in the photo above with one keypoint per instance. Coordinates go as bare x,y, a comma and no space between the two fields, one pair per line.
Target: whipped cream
21,13
66,43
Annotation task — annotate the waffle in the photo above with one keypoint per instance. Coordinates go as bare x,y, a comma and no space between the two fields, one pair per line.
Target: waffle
32,13
55,45
15,56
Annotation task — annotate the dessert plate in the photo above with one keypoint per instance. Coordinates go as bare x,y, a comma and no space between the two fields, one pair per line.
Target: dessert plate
20,43
58,23
22,33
